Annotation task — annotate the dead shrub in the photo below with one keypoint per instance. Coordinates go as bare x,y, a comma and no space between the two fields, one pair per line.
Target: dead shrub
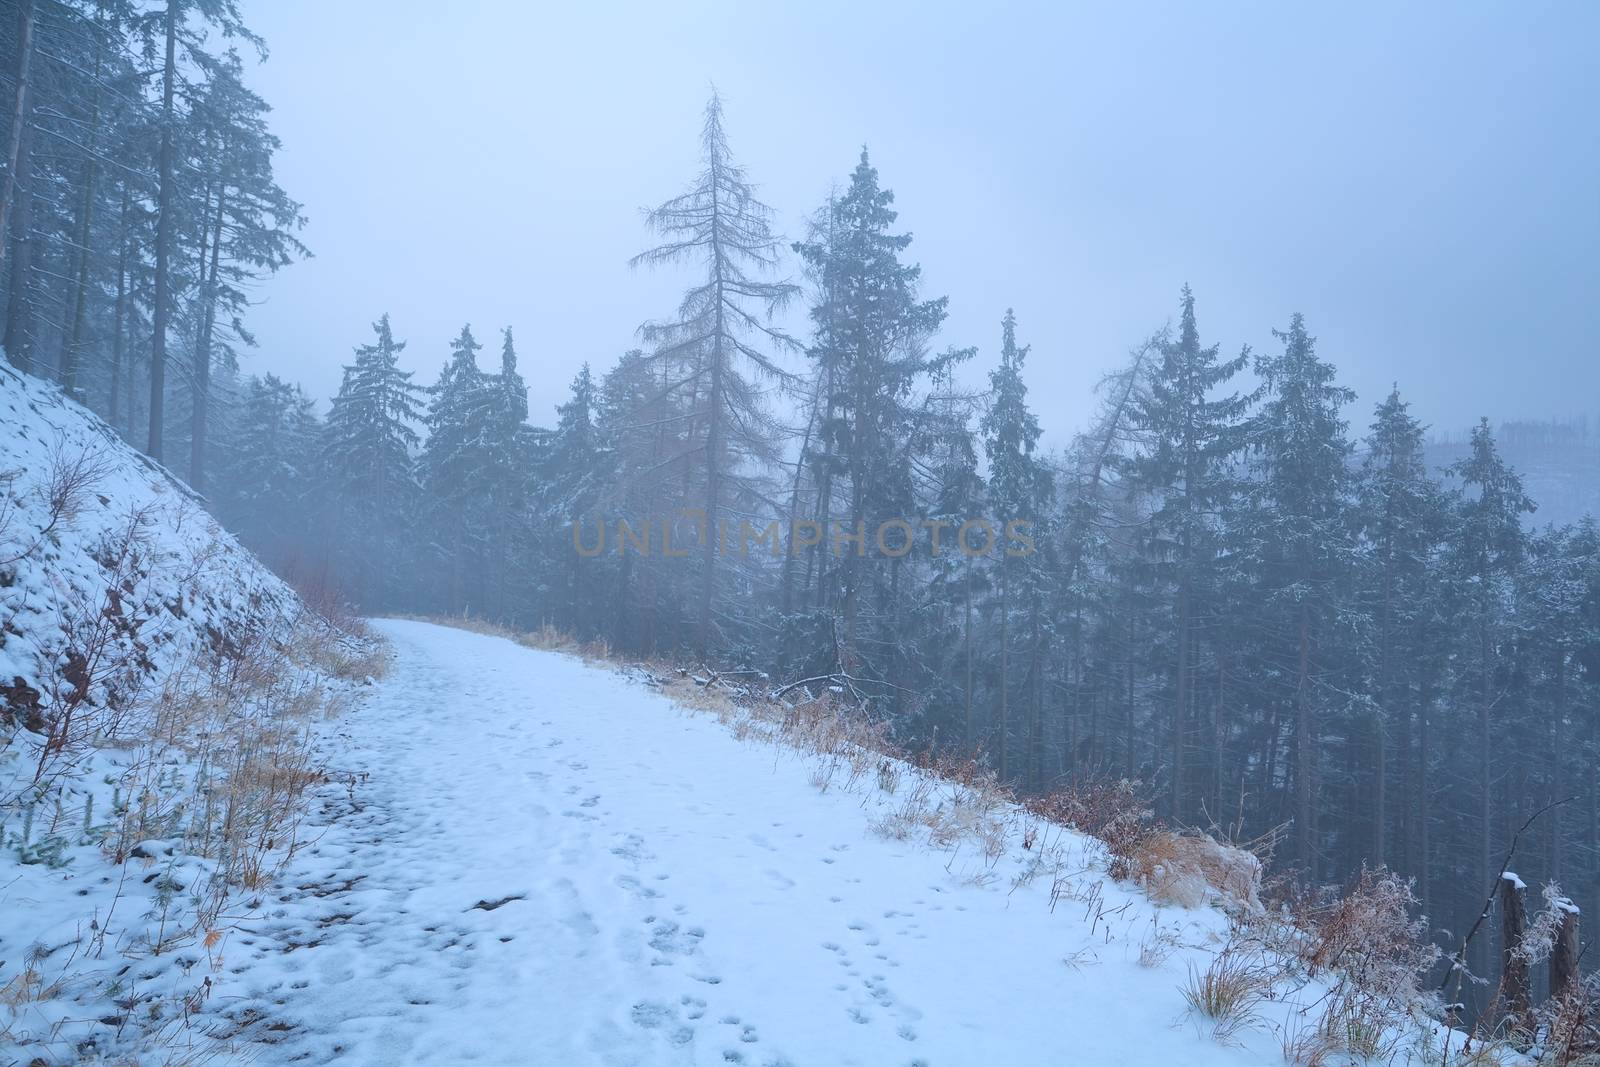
1572,1025
1367,934
1116,811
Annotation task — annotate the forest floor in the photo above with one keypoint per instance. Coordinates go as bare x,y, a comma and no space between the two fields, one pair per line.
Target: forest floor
545,862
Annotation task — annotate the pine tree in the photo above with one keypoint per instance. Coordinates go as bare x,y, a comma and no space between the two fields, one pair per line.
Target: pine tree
1190,436
246,230
270,471
178,31
372,491
956,583
1301,548
575,471
1488,549
458,466
1400,514
1019,493
508,459
870,349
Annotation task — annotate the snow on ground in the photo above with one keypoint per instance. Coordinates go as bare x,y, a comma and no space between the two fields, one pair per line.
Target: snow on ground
158,687
104,554
548,863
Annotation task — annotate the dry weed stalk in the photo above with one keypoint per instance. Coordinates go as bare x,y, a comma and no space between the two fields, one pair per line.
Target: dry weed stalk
1230,988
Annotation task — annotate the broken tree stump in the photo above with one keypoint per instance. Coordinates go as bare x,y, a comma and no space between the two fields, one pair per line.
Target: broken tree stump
1516,989
1564,954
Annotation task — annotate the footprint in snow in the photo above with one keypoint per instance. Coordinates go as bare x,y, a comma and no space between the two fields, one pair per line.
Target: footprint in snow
653,1015
669,938
636,888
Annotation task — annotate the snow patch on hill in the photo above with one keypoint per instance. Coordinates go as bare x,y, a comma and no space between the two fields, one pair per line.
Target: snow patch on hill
111,570
162,697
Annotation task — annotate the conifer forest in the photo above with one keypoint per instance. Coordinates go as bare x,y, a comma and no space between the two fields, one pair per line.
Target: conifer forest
1315,624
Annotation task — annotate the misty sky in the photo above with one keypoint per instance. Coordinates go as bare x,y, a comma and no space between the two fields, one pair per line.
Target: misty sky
1422,181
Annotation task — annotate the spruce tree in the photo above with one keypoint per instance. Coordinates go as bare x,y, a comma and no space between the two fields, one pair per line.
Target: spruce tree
1019,493
270,471
456,469
1488,549
1300,550
870,335
372,489
575,470
1399,511
1189,434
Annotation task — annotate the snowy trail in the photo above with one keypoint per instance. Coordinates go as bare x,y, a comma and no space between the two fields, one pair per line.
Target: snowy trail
550,864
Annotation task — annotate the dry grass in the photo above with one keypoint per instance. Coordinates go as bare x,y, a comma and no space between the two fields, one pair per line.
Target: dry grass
346,655
1188,870
212,772
1228,990
1572,1025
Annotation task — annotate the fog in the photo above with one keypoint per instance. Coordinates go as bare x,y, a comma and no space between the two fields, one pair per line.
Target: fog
1421,187
1229,713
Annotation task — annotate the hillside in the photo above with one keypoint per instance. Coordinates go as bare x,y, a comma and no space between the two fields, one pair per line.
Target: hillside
111,571
160,701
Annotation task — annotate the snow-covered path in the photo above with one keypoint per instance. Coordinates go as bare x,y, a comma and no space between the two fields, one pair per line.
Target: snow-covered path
550,864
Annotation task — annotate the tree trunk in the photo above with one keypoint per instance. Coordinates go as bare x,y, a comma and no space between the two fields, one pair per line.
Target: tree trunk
1424,797
162,309
201,384
1305,835
72,350
17,149
1558,778
1380,770
1005,662
1486,865
19,300
1564,955
1516,992
1180,704
119,308
713,426
1219,737
966,641
1035,680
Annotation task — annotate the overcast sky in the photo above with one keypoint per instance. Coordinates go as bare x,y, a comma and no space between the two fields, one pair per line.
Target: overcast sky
1421,180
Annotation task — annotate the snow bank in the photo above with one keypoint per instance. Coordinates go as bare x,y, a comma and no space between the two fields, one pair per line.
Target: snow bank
110,569
160,700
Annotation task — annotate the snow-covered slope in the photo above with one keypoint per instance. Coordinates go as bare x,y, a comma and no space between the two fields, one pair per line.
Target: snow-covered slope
549,863
160,697
110,568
